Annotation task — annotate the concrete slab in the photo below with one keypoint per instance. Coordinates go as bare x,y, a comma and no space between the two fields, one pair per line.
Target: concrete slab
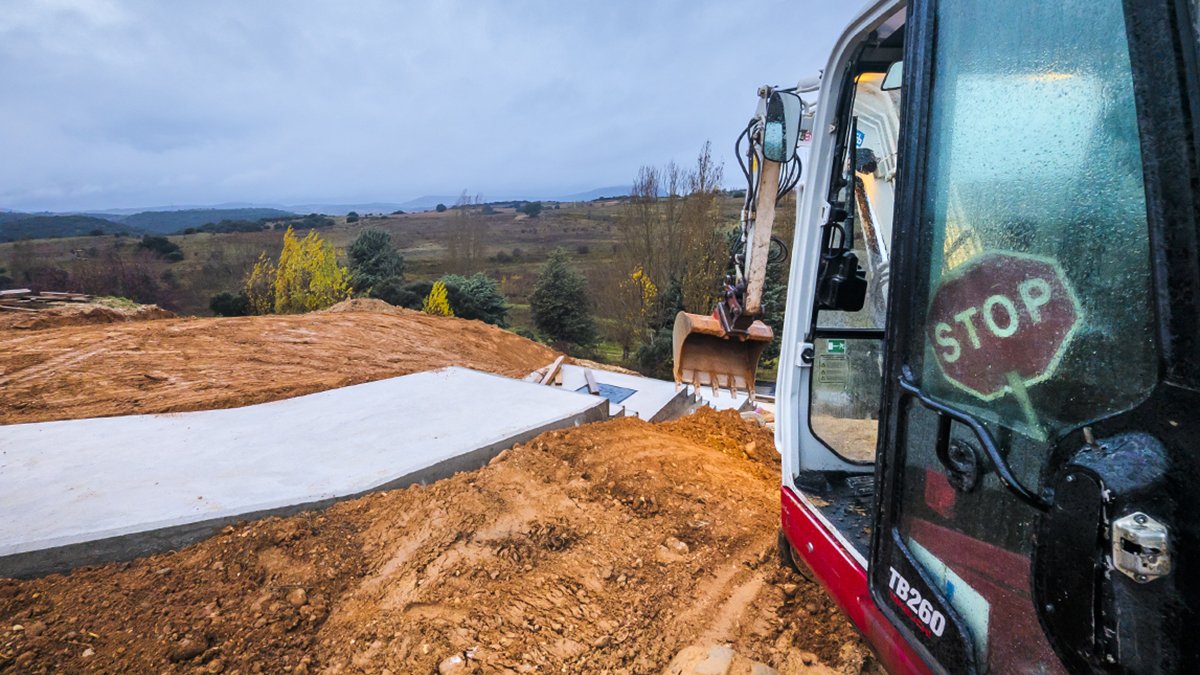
644,397
87,491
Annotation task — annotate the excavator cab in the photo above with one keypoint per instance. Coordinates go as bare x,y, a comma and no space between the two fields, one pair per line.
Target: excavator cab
990,358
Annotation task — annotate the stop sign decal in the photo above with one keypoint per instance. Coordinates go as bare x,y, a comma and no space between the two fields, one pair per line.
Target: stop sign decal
1002,320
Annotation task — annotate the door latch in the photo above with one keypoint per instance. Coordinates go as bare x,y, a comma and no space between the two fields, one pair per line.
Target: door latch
1140,547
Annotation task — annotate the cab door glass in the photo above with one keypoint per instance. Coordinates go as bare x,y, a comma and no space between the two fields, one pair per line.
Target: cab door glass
1034,313
848,365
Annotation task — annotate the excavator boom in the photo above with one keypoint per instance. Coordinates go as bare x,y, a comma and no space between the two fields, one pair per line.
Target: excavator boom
722,350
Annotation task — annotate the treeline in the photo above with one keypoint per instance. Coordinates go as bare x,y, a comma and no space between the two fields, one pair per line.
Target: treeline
16,227
309,222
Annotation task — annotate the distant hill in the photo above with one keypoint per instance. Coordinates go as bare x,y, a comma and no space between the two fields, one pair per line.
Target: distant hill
15,226
171,222
610,191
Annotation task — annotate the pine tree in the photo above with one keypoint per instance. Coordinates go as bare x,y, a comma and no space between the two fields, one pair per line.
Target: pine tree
560,304
436,303
373,259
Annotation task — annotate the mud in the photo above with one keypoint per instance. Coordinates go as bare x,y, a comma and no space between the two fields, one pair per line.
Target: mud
606,548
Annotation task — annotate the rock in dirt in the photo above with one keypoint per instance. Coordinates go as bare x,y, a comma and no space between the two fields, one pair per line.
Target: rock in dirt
297,597
715,660
452,665
186,649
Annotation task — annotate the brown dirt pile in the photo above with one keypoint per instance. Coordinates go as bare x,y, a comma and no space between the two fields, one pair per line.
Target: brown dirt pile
80,314
605,548
173,365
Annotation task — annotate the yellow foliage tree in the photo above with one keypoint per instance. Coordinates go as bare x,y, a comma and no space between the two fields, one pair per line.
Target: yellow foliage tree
307,277
259,286
437,303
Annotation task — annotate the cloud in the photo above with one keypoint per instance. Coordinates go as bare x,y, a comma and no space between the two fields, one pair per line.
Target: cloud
132,103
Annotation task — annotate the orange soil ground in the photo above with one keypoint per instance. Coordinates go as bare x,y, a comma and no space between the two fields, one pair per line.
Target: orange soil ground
177,364
605,548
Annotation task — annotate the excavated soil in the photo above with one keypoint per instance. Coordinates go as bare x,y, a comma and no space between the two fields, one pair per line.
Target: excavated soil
58,315
104,368
605,548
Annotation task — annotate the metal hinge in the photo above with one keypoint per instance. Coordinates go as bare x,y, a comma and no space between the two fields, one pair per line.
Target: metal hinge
1140,547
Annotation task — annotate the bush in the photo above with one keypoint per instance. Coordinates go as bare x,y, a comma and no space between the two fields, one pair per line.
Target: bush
583,249
477,297
373,259
437,303
165,248
440,208
394,291
352,217
560,304
229,304
531,209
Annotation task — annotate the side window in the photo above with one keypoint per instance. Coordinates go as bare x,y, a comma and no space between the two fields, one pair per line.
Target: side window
848,358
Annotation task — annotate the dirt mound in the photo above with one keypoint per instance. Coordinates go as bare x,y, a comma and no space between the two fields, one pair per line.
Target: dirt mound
605,548
173,365
367,305
81,314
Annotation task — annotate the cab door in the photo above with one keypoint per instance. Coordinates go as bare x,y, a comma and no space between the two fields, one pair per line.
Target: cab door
1036,510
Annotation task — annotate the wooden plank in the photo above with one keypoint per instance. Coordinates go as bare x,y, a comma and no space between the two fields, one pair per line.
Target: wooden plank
552,372
593,388
16,291
14,308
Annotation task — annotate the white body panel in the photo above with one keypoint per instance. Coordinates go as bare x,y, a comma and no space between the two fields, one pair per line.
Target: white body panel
799,449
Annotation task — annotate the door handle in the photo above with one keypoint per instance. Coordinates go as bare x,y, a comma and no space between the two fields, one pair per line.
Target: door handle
998,462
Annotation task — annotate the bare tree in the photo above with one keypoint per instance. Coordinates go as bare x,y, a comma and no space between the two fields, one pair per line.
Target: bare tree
670,232
466,234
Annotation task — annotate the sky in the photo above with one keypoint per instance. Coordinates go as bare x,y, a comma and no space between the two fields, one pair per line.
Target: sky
131,103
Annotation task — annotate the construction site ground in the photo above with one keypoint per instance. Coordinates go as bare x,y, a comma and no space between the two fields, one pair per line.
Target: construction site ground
609,547
77,368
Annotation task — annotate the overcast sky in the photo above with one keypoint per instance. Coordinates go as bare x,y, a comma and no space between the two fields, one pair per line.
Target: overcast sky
127,103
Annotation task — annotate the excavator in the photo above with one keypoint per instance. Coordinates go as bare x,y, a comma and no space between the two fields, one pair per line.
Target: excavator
990,358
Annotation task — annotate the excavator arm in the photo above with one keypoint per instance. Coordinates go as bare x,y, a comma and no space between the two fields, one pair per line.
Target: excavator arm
722,350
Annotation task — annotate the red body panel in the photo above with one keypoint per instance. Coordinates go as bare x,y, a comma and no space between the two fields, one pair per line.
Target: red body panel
846,582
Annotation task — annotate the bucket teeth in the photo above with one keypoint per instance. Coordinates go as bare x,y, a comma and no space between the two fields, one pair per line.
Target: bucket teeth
718,382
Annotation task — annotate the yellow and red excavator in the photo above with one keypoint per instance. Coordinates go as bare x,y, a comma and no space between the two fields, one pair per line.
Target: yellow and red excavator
722,350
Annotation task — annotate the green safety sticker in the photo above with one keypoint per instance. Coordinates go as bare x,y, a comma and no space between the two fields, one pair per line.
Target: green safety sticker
835,346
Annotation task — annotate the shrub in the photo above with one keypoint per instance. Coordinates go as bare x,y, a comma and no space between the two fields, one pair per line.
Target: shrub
165,248
477,297
440,208
436,303
229,304
531,209
352,217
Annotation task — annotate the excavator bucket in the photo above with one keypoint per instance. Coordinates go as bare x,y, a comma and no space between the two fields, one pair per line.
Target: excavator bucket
706,354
